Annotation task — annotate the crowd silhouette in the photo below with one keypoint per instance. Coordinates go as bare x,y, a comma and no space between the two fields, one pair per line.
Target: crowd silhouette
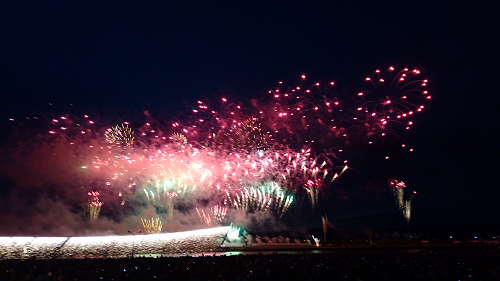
440,264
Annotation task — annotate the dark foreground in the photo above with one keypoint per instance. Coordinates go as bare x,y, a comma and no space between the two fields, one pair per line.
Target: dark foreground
440,264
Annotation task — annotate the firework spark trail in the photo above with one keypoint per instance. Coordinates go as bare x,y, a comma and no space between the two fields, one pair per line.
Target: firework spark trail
316,240
152,225
93,207
404,206
219,212
398,190
260,199
313,192
407,208
205,218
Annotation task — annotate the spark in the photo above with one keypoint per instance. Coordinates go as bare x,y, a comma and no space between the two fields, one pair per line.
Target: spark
152,225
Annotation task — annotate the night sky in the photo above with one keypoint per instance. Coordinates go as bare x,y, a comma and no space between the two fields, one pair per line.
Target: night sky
117,59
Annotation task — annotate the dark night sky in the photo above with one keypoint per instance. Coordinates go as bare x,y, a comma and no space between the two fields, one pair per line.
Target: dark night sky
123,57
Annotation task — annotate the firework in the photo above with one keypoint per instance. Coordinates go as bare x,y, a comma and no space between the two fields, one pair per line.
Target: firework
243,136
407,208
93,206
322,116
95,209
152,225
120,136
233,151
262,155
313,192
233,233
179,140
316,240
261,199
162,197
391,104
398,190
397,97
403,205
